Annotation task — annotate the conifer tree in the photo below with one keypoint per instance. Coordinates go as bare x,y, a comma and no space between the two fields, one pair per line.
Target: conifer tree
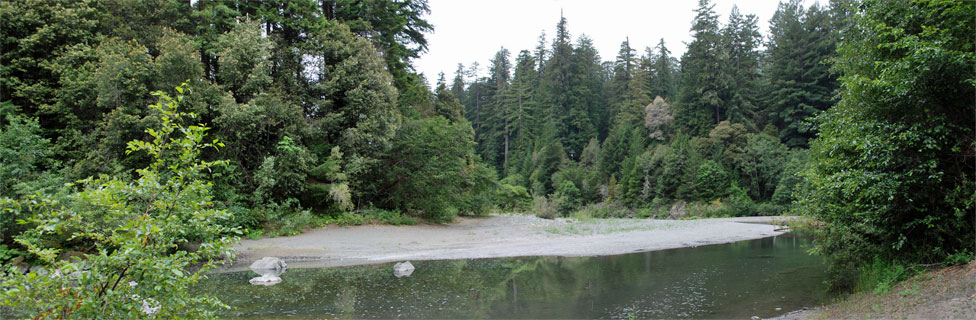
665,73
801,41
741,39
700,105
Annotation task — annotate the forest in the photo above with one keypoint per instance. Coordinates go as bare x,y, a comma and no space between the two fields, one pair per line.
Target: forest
270,117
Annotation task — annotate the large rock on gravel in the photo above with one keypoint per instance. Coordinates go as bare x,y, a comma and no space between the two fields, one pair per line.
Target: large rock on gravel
271,264
403,269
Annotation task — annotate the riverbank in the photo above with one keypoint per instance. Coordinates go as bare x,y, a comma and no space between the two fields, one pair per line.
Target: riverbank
498,236
948,293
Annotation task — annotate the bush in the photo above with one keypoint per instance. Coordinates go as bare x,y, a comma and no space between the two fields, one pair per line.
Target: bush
889,173
712,181
393,217
546,208
880,275
136,229
569,197
605,210
432,169
513,197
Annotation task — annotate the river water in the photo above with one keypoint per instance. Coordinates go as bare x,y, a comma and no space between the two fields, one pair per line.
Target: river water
763,277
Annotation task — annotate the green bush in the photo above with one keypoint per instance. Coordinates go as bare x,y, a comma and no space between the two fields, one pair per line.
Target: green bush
880,275
546,207
605,210
711,181
513,197
569,197
432,169
393,217
132,232
889,175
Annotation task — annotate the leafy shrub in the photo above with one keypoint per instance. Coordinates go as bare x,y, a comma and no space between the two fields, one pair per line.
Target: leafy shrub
880,275
712,180
512,197
769,209
393,217
569,197
8,253
136,229
298,222
23,152
479,190
431,168
605,210
961,257
546,207
889,175
739,203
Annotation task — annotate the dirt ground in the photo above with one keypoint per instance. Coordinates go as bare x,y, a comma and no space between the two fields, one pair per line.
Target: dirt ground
948,293
497,236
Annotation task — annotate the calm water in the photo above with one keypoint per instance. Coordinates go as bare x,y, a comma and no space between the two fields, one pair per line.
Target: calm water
736,280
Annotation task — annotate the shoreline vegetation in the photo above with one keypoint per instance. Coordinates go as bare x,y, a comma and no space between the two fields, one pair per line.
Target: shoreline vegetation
945,293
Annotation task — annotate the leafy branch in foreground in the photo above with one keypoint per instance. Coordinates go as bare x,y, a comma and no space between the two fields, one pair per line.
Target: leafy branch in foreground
146,241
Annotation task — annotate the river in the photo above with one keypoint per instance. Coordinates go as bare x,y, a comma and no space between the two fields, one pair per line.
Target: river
763,277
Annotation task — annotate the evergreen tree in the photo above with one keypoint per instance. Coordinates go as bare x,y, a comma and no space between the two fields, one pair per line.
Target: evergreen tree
664,75
801,42
458,86
586,91
624,70
494,135
357,110
523,113
741,40
700,105
570,120
396,28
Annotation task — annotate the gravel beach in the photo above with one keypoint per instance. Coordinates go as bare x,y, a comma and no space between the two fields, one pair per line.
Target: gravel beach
497,236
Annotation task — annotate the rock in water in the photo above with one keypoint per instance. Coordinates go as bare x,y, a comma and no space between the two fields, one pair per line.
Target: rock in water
267,279
269,263
403,269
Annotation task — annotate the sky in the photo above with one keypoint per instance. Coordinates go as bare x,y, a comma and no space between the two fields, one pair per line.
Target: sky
474,30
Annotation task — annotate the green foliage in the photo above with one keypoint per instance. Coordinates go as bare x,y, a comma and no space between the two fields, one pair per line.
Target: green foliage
700,97
790,179
283,175
879,276
429,168
244,66
392,217
546,163
8,253
24,154
569,197
961,257
546,207
889,176
512,196
136,234
712,181
604,210
801,84
762,165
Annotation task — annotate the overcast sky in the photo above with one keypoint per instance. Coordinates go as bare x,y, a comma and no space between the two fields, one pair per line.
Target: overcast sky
473,30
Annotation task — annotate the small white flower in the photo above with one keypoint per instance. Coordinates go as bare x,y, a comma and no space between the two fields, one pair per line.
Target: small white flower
132,284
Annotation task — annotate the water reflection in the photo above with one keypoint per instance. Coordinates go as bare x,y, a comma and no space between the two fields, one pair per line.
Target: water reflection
736,280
